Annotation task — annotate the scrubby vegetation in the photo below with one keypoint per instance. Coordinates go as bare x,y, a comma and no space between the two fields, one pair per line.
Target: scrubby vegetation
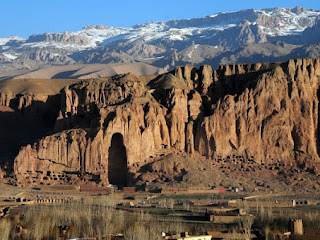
99,217
96,217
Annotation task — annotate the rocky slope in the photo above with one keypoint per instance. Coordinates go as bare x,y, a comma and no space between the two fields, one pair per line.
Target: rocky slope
259,119
276,34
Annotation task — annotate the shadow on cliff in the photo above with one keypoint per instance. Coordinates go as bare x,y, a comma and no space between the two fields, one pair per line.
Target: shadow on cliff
25,126
227,84
233,85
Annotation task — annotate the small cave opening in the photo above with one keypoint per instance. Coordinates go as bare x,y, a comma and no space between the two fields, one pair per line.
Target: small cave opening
117,161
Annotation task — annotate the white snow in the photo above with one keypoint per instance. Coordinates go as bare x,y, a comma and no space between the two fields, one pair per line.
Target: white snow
70,47
10,56
289,22
146,32
4,41
98,36
193,48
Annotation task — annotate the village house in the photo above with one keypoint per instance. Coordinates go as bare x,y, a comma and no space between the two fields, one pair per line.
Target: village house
185,236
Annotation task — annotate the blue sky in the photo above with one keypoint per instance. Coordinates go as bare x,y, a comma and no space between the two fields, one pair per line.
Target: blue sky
24,17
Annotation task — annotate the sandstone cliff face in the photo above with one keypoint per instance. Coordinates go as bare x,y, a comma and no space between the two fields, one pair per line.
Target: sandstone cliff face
273,120
1,173
264,112
121,105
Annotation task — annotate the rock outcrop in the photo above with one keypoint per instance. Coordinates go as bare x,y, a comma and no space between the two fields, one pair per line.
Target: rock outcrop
65,38
45,56
3,58
268,113
2,173
273,117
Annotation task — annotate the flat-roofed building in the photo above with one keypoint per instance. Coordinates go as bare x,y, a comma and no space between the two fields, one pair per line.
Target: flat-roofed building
186,236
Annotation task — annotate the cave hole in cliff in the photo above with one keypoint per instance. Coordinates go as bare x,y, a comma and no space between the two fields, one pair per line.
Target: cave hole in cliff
318,127
117,161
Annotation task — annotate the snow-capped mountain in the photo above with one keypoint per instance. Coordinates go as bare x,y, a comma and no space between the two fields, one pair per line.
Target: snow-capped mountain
219,37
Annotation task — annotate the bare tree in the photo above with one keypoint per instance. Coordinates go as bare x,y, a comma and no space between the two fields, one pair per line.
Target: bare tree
5,229
267,232
246,225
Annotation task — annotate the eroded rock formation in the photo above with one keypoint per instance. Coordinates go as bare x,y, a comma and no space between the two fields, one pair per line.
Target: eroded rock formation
268,113
59,37
47,57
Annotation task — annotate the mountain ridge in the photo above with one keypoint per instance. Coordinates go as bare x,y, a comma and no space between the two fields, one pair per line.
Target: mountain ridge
166,44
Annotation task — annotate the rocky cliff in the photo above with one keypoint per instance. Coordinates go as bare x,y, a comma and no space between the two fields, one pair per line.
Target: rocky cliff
264,113
46,57
65,38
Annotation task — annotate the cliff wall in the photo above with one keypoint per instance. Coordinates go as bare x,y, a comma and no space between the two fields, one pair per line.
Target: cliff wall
268,113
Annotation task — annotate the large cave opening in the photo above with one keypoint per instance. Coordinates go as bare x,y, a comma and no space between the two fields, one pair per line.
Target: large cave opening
117,161
318,127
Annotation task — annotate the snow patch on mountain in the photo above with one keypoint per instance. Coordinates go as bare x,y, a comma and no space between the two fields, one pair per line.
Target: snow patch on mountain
4,41
10,56
277,22
228,30
194,48
288,22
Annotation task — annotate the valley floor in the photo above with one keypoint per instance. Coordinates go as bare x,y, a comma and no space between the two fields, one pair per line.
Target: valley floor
67,212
